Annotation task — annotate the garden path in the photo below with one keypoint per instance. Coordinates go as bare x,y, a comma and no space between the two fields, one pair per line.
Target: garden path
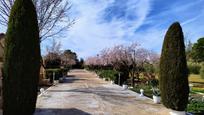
84,93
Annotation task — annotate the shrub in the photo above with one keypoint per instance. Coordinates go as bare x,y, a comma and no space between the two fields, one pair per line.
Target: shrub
202,72
108,74
154,83
173,70
53,63
22,60
196,107
58,74
146,88
194,68
149,68
65,70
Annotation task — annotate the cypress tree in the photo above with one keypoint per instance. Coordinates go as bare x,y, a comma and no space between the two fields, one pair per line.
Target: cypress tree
173,70
22,60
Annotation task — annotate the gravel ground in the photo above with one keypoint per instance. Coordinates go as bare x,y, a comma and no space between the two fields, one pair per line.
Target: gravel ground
83,93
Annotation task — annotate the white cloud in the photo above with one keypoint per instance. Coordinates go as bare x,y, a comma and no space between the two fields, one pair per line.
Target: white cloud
2,29
91,33
189,13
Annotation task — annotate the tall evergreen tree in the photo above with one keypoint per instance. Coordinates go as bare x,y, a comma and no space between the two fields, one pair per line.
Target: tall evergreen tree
173,70
22,60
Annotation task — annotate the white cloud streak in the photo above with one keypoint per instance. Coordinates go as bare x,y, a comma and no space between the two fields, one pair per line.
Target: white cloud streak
90,34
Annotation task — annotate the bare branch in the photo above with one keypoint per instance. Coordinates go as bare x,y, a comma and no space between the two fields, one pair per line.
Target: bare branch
51,14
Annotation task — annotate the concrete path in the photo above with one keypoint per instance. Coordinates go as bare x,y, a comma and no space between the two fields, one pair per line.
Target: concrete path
85,94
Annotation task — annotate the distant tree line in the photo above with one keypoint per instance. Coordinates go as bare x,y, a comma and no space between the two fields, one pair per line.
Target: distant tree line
56,58
195,57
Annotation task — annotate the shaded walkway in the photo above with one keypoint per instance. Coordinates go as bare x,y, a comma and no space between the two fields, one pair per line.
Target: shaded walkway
85,94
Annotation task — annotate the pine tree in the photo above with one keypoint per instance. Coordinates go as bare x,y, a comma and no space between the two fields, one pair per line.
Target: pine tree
22,60
173,70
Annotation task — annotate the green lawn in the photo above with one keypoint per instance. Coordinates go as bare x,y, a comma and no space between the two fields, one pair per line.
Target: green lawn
195,79
198,83
197,89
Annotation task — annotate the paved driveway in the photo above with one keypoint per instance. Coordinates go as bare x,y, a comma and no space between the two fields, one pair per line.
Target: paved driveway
85,94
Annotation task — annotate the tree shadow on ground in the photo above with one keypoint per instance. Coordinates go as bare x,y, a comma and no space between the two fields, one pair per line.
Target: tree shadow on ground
53,111
111,95
71,79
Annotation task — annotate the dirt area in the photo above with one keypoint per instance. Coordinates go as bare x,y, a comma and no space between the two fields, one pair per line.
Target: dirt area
83,93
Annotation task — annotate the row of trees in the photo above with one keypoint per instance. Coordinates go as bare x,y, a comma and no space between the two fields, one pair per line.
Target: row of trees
127,59
195,57
56,58
195,52
132,60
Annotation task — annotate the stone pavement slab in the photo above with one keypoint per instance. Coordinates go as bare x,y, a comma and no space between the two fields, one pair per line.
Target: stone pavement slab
84,93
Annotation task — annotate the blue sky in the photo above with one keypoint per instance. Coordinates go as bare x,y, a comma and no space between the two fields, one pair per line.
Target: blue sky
105,23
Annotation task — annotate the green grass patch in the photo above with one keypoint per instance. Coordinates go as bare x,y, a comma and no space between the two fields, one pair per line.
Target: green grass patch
197,89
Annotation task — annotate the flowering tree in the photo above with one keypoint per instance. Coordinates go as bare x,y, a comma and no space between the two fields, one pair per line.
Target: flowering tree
130,59
56,57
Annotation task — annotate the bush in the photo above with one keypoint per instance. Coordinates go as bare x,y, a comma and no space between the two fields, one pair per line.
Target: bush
108,74
194,68
147,89
22,60
202,72
154,83
173,70
149,68
53,63
58,74
65,70
196,107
